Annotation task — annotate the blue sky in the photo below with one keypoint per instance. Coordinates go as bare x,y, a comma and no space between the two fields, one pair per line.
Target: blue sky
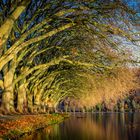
135,4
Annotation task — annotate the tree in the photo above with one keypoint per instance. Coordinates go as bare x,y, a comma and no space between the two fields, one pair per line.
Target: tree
45,38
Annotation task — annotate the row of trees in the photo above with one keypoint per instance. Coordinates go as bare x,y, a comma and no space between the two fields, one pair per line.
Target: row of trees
48,47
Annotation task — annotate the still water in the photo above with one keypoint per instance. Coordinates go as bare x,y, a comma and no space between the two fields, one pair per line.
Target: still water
99,126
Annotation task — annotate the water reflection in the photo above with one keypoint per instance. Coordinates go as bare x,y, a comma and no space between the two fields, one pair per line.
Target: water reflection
107,126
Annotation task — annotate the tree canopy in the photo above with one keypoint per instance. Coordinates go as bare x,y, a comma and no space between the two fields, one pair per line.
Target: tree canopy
52,49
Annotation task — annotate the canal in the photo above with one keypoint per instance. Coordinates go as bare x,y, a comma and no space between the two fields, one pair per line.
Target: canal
92,126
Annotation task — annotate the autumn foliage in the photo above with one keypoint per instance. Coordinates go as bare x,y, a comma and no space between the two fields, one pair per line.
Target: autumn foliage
14,126
110,88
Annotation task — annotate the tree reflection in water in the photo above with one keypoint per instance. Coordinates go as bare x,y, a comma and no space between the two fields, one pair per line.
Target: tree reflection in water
107,126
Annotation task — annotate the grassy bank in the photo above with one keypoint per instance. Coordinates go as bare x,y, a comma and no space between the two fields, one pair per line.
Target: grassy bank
15,126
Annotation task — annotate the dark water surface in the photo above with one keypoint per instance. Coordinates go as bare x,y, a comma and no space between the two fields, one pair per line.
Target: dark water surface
99,126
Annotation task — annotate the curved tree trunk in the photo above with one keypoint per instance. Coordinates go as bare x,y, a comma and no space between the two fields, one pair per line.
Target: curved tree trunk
7,26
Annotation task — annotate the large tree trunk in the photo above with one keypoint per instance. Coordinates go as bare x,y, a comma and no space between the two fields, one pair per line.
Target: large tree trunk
1,84
8,95
50,106
22,100
37,101
55,107
30,102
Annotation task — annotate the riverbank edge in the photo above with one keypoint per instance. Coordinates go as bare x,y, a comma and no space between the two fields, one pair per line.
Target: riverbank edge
27,124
